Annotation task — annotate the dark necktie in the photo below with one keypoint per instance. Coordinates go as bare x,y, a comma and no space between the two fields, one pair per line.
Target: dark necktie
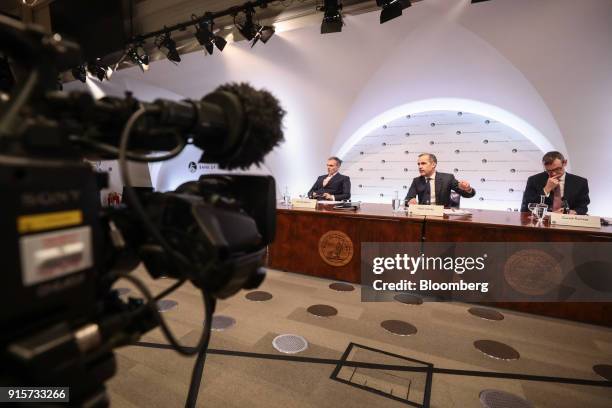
557,202
427,193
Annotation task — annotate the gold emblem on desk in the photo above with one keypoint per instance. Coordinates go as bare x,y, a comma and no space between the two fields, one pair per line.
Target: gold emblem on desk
336,248
533,272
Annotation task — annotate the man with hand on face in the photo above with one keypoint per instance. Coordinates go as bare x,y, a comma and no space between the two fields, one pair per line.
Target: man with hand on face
333,185
564,192
433,187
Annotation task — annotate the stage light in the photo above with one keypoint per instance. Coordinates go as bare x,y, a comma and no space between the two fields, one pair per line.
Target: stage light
168,47
264,33
99,70
251,30
207,39
139,56
247,27
79,73
391,8
332,17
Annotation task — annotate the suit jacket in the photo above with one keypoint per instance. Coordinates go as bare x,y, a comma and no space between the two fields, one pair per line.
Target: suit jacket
339,186
445,182
576,192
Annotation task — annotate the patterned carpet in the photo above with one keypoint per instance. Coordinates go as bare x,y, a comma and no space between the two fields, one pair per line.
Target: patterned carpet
445,337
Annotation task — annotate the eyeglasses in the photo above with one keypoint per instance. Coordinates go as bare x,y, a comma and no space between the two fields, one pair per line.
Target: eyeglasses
555,170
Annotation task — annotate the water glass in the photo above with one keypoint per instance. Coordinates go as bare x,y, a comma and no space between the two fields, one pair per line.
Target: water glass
396,204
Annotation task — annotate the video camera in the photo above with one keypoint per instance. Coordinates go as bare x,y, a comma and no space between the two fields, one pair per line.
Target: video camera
63,252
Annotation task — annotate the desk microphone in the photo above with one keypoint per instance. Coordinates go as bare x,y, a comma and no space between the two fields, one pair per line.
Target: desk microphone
565,205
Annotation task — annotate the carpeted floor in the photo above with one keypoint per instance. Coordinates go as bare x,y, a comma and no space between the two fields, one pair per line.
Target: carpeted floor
446,332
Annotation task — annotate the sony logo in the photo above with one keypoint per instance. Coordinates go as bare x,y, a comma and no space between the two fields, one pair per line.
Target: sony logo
47,198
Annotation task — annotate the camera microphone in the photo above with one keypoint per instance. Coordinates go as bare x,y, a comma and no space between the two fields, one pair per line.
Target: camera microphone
236,125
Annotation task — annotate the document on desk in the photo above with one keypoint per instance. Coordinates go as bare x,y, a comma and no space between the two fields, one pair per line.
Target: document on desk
328,202
421,209
303,203
456,211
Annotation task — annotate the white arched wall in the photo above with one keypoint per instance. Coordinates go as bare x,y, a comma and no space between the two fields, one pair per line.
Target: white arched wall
441,65
449,104
494,158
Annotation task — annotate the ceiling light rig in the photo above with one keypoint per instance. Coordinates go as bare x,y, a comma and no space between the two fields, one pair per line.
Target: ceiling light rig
332,17
392,8
243,21
167,45
205,34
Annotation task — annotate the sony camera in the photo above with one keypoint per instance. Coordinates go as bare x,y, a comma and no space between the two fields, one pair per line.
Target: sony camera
60,320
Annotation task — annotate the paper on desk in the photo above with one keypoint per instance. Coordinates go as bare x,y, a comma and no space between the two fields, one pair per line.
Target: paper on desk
454,211
328,202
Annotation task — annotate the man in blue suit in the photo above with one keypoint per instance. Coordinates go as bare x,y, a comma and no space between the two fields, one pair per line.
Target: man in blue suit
564,192
434,187
333,185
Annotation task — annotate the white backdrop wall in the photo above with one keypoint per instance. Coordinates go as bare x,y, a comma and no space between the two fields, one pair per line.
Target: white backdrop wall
493,157
541,67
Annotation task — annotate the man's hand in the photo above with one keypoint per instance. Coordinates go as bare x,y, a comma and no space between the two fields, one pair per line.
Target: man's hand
413,201
465,186
328,196
551,184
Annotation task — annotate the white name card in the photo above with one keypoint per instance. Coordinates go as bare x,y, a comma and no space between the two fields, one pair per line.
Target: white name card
303,203
419,209
575,220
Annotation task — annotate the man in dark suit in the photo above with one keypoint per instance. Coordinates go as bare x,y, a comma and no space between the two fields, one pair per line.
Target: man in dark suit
433,187
564,192
333,185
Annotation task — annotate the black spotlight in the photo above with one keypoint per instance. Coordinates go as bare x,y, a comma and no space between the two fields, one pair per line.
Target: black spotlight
206,37
168,47
264,33
247,28
391,8
97,69
332,18
7,80
79,73
139,56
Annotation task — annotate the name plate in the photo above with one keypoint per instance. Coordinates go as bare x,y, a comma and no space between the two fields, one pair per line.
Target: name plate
419,209
303,203
575,220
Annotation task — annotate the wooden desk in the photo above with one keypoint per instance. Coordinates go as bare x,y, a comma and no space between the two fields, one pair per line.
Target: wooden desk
299,231
506,226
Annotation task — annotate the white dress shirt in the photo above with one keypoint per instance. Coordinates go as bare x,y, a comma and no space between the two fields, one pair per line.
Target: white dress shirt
561,187
329,177
326,180
432,185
